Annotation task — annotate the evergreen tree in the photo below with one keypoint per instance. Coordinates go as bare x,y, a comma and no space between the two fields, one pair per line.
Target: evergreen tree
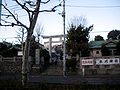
114,34
98,38
77,40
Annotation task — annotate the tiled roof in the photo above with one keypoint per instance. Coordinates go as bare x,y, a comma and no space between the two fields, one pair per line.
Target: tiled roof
98,44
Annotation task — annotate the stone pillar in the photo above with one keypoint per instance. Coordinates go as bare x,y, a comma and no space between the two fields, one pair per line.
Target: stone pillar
37,56
61,38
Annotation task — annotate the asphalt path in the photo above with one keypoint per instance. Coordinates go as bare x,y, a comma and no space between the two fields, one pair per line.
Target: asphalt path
99,79
59,79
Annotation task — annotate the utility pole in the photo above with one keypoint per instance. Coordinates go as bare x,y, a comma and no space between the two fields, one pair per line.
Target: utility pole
64,60
0,9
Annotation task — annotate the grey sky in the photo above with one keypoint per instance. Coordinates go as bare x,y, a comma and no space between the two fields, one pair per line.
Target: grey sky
104,18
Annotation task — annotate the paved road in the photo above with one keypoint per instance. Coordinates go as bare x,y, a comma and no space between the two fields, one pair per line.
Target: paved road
76,79
59,79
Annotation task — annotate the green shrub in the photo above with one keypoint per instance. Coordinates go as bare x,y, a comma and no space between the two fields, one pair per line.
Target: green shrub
71,64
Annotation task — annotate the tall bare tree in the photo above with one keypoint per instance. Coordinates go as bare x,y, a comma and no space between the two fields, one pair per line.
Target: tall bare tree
78,20
21,35
32,9
38,31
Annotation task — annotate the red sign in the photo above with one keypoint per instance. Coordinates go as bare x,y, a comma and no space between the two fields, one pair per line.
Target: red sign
87,62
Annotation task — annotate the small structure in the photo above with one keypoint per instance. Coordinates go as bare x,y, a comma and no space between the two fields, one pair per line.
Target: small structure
98,63
96,47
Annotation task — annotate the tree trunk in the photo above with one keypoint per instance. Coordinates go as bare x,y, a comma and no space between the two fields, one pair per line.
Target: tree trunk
25,60
33,20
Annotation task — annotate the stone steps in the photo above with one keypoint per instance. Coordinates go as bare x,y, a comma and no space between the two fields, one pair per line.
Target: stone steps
53,70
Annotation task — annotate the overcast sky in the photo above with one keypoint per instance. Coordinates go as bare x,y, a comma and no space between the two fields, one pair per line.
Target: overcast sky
104,14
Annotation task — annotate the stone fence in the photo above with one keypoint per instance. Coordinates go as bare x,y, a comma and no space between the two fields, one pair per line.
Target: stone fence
14,65
10,64
100,65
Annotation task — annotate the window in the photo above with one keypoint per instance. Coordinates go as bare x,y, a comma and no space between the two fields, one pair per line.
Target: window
115,52
97,52
110,52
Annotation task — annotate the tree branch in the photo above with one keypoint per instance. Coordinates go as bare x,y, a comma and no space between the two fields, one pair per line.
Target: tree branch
45,2
52,10
5,21
35,15
12,24
9,23
31,3
18,22
5,15
24,7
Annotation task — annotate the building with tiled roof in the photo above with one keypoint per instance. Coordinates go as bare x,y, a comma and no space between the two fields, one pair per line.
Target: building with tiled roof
96,47
99,63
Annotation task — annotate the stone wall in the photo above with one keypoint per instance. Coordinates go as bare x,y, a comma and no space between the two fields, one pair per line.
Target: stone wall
100,65
14,65
10,65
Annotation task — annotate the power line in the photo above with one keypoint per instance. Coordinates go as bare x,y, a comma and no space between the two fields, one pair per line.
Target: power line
14,8
93,6
99,31
8,37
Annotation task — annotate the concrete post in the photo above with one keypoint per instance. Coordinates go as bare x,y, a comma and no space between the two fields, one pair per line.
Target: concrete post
37,56
50,47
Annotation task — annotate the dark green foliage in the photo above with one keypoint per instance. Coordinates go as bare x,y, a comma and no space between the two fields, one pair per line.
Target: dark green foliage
7,50
99,38
77,40
3,48
71,63
114,34
12,52
44,53
61,56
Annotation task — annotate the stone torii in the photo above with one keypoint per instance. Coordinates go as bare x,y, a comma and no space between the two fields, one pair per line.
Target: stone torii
50,41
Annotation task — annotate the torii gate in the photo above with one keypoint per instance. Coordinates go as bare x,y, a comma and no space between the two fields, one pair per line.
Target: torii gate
50,41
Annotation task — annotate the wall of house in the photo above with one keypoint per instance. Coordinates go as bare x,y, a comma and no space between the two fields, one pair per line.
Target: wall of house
95,53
